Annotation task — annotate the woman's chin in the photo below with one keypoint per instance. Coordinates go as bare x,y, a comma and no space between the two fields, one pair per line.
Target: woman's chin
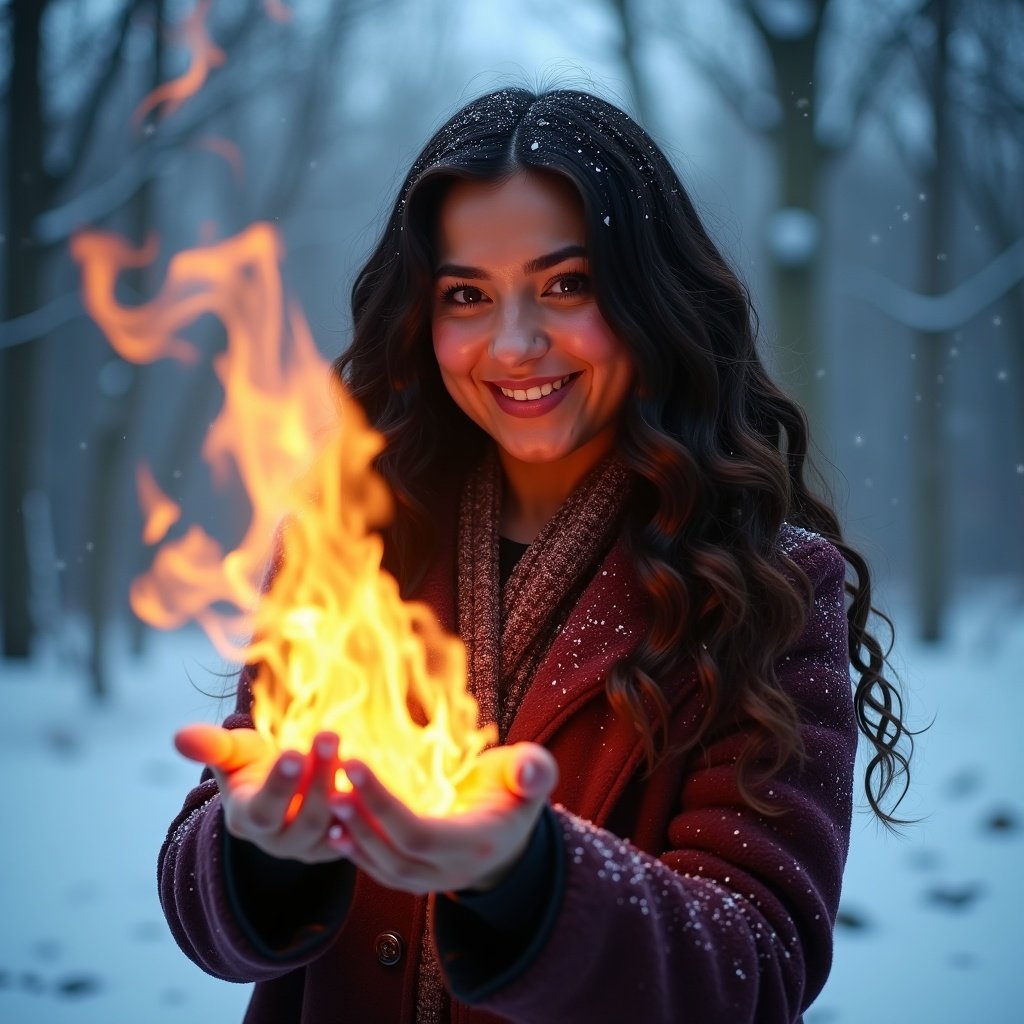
539,454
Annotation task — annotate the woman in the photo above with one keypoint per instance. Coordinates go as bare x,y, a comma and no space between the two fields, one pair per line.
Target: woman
602,492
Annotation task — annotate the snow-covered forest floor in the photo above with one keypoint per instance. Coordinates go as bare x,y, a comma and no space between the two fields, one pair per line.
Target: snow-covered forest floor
929,924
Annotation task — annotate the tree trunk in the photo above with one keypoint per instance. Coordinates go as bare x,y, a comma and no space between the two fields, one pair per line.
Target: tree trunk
630,55
932,567
26,189
120,417
796,275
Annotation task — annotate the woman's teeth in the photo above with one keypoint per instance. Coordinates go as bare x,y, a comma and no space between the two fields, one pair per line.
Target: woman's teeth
532,394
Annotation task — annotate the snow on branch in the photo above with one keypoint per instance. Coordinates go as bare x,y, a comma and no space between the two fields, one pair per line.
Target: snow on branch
937,314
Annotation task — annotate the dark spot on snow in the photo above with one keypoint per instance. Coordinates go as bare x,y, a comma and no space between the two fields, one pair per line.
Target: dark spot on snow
965,782
854,920
955,897
73,986
963,959
1004,820
63,741
148,931
160,773
47,949
821,1015
924,860
83,892
31,982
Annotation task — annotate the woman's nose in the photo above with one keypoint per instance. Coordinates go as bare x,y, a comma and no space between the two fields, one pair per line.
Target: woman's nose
518,338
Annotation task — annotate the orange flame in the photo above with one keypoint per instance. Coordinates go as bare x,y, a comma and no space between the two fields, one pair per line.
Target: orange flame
227,150
278,10
140,334
337,647
205,55
161,513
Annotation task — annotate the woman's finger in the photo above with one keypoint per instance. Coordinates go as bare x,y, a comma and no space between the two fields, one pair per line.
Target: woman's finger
394,821
531,772
266,809
224,749
325,766
310,812
363,844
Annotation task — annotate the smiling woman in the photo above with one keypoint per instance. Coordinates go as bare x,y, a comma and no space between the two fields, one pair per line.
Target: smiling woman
602,492
520,340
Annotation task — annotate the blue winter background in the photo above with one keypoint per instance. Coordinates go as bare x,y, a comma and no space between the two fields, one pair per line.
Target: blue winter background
911,240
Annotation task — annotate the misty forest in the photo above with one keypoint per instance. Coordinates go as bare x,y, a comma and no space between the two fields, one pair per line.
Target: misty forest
859,162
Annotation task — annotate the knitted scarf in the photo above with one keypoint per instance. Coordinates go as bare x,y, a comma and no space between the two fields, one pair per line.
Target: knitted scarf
507,631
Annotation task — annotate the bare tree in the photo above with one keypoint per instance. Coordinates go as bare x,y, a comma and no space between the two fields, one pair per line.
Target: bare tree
117,188
989,109
968,70
798,42
32,186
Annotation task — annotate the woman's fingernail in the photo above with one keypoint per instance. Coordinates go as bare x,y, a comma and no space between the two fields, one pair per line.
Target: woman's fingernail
356,776
344,811
325,748
289,767
335,833
527,773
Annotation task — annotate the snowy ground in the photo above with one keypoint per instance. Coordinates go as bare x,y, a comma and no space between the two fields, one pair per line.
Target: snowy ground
930,922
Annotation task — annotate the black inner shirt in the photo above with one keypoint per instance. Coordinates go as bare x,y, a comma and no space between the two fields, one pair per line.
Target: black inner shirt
509,553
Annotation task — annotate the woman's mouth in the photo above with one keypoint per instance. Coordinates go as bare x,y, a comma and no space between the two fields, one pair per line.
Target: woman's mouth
532,394
535,400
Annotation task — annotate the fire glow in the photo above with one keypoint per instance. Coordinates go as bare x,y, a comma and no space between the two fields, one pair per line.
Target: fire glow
335,645
204,55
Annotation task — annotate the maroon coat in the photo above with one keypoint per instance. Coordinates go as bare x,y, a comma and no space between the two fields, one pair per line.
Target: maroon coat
708,912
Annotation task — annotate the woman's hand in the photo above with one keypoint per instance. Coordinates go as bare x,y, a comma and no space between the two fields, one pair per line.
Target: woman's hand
498,806
281,803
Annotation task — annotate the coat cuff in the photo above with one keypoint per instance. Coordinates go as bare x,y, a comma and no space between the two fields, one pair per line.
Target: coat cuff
284,908
487,939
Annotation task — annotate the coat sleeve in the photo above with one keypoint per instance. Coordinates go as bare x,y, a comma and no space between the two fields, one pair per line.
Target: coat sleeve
733,922
238,913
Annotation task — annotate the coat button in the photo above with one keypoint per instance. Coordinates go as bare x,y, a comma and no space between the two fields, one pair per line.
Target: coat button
389,948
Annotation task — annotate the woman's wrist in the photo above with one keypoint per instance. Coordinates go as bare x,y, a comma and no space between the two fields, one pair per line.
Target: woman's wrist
496,876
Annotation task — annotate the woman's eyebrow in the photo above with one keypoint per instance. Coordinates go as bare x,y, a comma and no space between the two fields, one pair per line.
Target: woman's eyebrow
529,267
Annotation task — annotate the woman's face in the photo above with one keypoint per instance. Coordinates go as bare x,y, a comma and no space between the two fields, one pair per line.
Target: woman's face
522,346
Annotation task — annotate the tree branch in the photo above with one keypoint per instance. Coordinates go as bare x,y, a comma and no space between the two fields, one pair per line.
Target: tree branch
939,314
312,114
736,93
95,102
873,75
56,225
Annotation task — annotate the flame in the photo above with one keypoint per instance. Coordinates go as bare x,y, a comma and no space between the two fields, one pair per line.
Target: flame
278,10
336,646
161,513
205,55
130,330
227,151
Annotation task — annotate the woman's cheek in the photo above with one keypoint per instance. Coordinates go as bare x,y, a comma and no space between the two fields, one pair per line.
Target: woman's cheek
455,349
592,340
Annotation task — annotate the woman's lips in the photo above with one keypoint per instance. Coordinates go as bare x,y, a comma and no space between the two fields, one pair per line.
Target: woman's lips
532,406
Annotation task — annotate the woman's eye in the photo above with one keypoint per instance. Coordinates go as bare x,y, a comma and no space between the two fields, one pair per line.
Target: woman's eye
463,295
569,284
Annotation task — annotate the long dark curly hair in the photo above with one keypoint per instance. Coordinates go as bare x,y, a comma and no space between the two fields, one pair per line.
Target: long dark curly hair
719,452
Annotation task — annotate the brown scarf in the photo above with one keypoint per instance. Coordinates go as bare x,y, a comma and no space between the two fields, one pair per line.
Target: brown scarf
507,631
